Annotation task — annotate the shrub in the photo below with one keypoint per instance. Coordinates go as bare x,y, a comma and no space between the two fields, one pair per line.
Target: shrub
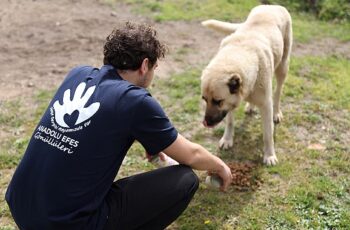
335,10
330,10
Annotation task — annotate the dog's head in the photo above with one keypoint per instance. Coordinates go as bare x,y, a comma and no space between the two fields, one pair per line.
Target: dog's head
221,91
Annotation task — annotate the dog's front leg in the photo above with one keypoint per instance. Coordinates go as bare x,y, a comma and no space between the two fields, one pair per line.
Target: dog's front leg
267,122
226,140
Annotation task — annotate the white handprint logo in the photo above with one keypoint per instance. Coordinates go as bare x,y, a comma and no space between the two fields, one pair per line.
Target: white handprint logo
77,104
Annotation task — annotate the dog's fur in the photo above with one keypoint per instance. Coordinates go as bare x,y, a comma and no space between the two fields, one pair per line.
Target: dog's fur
243,69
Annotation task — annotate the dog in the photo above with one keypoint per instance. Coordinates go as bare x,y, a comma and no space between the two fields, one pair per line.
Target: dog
243,69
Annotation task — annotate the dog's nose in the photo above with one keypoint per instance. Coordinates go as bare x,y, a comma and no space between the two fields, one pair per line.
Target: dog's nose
209,121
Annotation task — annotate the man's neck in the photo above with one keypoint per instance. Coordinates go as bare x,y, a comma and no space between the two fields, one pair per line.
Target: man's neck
131,76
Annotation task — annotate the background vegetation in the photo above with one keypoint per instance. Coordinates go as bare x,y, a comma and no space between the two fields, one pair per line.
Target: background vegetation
329,10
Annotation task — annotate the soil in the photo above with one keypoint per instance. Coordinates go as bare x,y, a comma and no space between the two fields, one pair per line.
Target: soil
40,40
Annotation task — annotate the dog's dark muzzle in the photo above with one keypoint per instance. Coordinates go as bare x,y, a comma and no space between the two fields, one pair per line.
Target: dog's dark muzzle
212,120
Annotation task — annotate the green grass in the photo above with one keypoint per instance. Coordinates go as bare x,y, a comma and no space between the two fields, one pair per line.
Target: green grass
319,204
305,26
306,29
18,124
308,189
12,126
193,10
320,79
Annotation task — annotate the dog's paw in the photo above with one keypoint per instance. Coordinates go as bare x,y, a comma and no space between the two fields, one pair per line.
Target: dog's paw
277,118
270,160
249,109
225,144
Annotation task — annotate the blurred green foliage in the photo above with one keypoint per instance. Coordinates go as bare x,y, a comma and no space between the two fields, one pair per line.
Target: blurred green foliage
329,10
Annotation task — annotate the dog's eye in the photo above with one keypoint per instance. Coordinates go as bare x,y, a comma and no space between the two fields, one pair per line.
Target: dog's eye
217,102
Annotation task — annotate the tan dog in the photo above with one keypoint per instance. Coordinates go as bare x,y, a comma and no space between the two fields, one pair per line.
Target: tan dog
243,69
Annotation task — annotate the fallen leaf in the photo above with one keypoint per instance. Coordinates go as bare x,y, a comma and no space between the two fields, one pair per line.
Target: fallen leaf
207,222
316,146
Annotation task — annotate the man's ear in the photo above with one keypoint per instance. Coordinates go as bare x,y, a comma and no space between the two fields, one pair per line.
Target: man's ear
144,66
234,84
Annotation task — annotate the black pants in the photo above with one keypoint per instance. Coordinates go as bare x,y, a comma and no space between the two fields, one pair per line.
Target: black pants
151,200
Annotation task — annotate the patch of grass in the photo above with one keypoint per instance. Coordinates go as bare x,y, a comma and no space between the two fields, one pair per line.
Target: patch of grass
282,220
210,209
135,162
277,204
308,189
339,161
11,123
320,79
194,10
305,26
322,203
7,227
181,53
17,124
284,169
9,161
183,97
9,114
42,99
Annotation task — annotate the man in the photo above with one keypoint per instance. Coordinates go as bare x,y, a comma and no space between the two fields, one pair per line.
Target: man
65,179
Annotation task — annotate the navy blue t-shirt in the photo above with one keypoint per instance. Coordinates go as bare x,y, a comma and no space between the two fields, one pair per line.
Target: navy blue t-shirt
77,148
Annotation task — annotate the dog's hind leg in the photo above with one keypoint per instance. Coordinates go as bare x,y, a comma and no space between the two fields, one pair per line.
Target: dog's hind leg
226,140
281,74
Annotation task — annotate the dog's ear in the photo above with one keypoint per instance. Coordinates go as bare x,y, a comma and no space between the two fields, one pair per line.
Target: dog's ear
234,83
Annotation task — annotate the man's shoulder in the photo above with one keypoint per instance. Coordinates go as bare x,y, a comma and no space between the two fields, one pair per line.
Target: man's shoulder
80,69
133,94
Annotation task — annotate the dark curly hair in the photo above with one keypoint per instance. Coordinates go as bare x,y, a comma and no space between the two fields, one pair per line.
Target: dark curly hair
128,46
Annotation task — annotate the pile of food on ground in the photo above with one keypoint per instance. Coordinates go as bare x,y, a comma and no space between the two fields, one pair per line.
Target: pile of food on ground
244,176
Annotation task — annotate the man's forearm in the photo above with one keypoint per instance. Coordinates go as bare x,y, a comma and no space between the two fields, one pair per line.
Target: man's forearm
204,160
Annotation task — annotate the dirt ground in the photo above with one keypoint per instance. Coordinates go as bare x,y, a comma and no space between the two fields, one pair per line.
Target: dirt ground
40,40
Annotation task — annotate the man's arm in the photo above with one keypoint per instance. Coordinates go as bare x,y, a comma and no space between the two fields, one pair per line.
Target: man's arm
197,157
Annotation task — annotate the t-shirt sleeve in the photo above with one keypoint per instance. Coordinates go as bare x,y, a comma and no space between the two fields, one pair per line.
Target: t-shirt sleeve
151,127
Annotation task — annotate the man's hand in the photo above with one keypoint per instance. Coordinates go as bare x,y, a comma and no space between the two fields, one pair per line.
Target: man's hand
226,176
161,160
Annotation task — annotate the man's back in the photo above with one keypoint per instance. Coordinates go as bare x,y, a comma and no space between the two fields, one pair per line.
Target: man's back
75,152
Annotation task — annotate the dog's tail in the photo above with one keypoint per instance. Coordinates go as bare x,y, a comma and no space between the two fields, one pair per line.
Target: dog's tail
223,27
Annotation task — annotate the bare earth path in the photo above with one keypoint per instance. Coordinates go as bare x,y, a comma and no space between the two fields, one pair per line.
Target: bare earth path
40,40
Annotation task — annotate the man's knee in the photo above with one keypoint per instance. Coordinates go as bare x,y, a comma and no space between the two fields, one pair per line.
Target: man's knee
189,180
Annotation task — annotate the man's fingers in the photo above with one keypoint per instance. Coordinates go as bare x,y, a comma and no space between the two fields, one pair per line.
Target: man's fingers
162,156
225,185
